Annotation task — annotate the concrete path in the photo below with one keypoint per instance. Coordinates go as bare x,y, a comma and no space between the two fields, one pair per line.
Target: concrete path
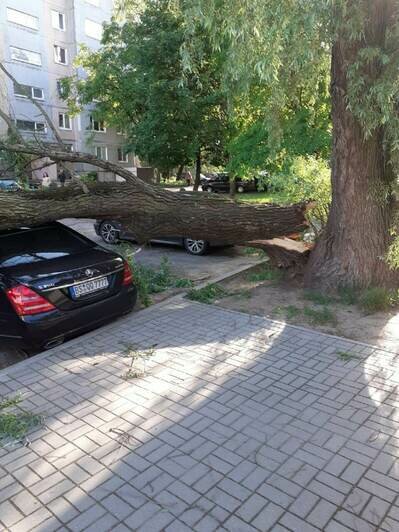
240,424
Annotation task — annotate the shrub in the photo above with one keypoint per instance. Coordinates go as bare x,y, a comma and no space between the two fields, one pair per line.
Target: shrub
376,299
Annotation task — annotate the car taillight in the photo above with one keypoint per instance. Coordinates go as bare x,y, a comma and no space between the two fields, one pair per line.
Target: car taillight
26,302
127,275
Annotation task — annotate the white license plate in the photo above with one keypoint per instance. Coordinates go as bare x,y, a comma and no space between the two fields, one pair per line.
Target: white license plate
89,287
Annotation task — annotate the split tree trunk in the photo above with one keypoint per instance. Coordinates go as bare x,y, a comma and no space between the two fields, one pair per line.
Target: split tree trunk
351,251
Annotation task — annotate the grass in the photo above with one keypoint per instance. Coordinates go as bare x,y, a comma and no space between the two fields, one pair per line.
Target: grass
152,280
348,295
265,274
207,294
263,197
15,422
290,311
345,356
377,299
318,297
323,316
254,252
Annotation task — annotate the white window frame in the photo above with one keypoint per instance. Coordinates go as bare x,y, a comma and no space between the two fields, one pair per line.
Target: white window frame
103,149
65,117
14,50
124,153
100,129
57,55
30,89
93,29
16,17
55,20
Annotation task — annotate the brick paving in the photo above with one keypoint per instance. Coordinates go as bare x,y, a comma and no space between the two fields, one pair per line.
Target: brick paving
240,424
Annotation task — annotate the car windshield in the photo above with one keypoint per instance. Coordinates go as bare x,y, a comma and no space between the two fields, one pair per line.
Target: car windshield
25,246
8,183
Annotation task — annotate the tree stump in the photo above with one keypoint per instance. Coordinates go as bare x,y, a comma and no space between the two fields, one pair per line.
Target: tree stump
285,252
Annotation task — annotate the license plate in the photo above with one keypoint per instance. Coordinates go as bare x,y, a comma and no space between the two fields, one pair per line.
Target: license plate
89,287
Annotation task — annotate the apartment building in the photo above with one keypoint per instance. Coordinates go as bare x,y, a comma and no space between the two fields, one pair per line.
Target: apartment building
39,40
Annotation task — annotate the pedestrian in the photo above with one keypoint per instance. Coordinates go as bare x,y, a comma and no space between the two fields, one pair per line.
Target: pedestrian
62,177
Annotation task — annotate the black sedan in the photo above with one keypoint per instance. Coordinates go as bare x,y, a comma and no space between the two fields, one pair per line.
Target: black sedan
221,183
56,284
112,231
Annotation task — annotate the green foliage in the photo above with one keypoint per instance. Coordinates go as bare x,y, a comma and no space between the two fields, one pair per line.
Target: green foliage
208,294
15,422
318,297
345,356
265,273
249,251
151,280
89,178
377,299
323,316
289,311
348,295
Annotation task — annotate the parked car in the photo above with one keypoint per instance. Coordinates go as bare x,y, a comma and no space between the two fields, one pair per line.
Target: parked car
221,183
9,185
56,284
112,231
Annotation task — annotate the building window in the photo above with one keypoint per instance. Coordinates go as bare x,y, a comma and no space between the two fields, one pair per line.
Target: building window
58,20
60,55
30,125
123,156
97,125
93,29
101,152
69,147
22,19
25,56
24,91
64,121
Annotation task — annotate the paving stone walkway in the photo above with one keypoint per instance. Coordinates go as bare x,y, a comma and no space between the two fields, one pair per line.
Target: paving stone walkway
240,424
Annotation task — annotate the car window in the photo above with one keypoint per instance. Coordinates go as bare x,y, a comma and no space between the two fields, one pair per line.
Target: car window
38,244
8,183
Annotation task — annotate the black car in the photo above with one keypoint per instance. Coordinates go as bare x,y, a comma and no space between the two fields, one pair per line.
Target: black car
221,183
112,231
56,284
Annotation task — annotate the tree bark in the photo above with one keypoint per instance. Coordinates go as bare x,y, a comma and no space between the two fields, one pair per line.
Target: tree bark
147,210
197,179
352,249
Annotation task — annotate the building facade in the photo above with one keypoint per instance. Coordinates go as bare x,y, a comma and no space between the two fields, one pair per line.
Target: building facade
39,40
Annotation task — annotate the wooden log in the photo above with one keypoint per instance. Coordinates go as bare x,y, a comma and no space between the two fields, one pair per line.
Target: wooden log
285,252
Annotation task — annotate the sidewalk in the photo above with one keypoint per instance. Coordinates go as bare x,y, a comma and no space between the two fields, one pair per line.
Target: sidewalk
240,424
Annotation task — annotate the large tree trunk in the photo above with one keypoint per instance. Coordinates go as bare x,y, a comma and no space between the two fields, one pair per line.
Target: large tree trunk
351,251
197,179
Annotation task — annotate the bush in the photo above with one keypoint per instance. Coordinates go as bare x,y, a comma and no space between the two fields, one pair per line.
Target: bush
377,299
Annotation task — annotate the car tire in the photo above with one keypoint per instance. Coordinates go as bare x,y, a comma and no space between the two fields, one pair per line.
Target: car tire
240,189
210,190
109,233
196,247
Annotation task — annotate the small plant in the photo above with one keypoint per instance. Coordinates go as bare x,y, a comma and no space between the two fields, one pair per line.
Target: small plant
15,422
207,294
265,274
241,294
184,283
345,356
135,355
377,299
254,251
318,297
321,316
290,311
348,295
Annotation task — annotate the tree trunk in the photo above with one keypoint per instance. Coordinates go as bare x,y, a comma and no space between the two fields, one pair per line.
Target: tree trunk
179,172
351,250
197,179
232,187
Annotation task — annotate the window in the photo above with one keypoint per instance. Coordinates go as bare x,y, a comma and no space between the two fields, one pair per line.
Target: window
68,147
101,152
58,20
23,19
24,91
93,29
25,56
60,55
123,156
30,125
97,125
64,121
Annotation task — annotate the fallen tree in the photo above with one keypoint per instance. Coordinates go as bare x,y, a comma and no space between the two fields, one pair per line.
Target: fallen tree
147,210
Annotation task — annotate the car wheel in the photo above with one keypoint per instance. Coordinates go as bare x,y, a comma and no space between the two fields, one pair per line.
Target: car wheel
210,189
109,233
240,189
196,247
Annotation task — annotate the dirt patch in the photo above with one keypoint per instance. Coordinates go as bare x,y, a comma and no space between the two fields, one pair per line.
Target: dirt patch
285,300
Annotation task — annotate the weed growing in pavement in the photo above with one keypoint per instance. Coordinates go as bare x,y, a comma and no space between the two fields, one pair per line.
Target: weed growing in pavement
136,355
207,294
15,422
345,356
